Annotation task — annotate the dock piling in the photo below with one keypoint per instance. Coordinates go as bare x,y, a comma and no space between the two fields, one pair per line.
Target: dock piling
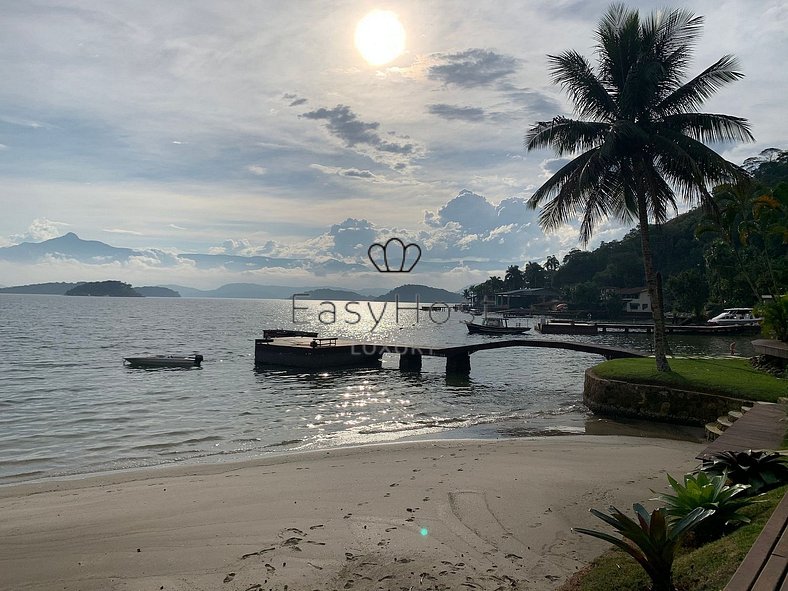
410,361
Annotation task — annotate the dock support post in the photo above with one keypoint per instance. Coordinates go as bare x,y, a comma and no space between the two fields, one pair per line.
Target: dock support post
410,361
459,364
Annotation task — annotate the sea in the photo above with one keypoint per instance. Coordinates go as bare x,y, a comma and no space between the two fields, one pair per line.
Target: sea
69,406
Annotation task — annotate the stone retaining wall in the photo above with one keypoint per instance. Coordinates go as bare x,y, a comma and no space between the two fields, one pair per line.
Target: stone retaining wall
656,403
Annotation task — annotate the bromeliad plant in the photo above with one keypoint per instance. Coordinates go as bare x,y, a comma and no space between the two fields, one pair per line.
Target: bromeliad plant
761,470
651,540
706,492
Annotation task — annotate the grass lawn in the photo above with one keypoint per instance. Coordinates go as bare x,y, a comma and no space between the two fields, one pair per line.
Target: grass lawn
708,568
727,377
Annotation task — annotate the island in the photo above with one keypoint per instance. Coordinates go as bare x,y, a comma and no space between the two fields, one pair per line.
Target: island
116,289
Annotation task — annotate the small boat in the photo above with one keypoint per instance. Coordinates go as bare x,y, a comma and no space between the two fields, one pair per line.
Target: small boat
165,361
495,325
736,316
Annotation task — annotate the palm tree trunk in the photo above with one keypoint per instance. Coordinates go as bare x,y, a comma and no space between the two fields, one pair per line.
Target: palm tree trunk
660,341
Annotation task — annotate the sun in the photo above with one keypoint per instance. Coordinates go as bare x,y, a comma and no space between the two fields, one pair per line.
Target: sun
380,37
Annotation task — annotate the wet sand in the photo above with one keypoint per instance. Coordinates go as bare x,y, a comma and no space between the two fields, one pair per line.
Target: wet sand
448,514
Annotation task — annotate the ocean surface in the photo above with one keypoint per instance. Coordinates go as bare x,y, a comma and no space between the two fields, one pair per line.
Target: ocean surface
69,406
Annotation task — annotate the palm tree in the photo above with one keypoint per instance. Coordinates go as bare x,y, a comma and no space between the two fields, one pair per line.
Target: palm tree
551,264
639,134
513,278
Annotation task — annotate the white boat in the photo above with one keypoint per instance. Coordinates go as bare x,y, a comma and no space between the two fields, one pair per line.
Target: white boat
735,316
165,361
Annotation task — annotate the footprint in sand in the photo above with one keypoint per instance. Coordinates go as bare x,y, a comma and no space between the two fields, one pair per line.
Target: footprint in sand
229,577
270,568
318,526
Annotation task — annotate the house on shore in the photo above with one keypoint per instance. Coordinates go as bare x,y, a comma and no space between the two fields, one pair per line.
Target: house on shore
636,300
527,298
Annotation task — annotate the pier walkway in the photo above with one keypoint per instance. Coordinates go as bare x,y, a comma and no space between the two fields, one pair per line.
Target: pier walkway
315,353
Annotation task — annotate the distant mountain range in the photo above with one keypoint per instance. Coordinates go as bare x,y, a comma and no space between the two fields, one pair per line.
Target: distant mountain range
92,252
61,288
405,293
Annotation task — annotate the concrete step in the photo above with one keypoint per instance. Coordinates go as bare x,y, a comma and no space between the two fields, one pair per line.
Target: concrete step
724,422
735,414
713,431
745,408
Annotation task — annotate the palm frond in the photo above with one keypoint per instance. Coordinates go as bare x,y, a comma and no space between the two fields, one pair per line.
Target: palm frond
618,45
565,136
573,72
694,93
710,127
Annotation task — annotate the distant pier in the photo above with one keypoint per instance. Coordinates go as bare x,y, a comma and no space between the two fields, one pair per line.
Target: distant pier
327,353
575,328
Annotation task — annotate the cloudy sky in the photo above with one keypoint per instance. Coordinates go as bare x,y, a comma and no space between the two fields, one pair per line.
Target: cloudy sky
257,128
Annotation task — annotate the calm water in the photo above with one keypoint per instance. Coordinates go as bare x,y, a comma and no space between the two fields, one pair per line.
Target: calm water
69,406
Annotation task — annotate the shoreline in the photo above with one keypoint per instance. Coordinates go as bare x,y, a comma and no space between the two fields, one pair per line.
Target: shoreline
420,513
484,431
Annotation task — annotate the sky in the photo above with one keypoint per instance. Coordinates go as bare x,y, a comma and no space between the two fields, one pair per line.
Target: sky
257,128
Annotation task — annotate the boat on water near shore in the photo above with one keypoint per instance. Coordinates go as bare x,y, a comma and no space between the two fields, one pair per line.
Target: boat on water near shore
735,317
165,361
495,325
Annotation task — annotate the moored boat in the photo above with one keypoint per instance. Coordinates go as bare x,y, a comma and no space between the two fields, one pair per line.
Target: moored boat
736,317
495,325
165,361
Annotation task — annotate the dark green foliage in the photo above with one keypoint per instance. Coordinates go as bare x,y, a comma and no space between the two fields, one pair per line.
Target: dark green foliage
689,291
104,288
708,492
651,541
761,470
775,318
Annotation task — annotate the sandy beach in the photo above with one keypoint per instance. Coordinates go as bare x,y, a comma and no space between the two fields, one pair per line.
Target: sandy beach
451,514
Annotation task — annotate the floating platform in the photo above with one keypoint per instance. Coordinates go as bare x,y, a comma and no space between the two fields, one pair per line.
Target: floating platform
601,327
313,352
328,353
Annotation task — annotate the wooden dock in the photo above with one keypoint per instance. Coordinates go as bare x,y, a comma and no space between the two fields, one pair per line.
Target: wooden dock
605,327
761,427
330,353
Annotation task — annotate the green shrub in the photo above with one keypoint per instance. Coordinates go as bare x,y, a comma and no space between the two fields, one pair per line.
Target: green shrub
761,470
707,492
775,318
651,541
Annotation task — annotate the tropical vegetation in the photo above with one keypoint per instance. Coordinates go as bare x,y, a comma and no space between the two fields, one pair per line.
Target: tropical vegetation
758,470
651,540
707,568
707,492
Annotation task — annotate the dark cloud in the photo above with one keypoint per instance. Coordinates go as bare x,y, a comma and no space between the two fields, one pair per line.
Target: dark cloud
473,67
354,172
453,112
299,101
553,165
535,102
345,124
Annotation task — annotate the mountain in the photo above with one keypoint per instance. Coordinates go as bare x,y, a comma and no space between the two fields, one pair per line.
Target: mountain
41,288
334,294
69,245
151,291
422,293
116,289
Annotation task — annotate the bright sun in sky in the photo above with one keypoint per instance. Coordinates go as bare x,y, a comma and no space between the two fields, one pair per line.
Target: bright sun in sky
380,37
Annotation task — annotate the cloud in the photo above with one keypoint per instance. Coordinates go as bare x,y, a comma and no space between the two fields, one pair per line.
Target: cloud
256,169
356,173
552,165
453,112
472,68
40,229
175,227
121,231
345,125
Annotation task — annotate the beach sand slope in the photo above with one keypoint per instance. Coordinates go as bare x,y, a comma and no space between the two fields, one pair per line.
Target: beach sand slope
451,514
